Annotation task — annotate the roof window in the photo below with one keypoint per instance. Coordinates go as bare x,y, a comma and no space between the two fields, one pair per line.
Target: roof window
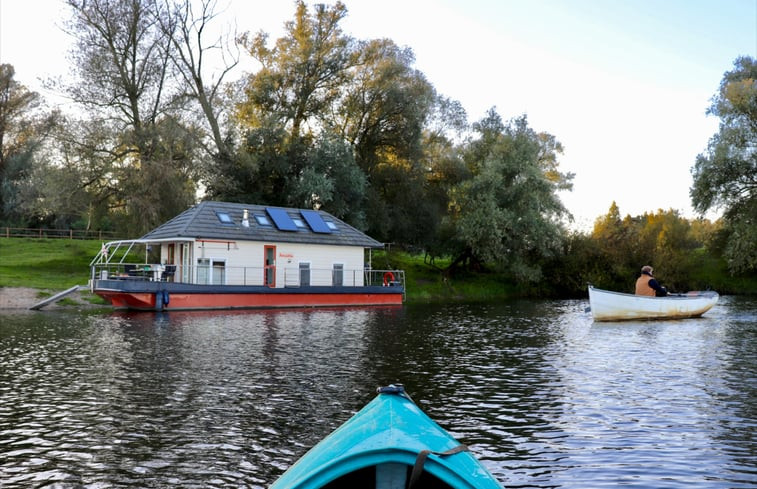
262,220
225,218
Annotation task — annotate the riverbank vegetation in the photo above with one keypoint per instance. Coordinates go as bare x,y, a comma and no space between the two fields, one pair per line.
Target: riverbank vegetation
57,264
352,127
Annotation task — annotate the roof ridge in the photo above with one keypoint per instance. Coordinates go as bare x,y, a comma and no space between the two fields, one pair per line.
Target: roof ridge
195,210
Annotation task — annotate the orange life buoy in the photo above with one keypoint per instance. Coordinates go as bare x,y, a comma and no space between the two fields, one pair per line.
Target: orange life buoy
388,278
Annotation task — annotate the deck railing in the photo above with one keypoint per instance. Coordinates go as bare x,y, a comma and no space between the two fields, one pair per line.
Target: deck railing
291,276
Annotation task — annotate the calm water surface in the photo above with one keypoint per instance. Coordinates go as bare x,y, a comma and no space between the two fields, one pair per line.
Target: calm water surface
543,396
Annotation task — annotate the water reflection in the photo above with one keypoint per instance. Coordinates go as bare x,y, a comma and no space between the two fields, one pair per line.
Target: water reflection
543,396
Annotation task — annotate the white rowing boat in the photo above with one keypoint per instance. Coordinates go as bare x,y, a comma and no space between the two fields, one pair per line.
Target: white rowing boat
616,306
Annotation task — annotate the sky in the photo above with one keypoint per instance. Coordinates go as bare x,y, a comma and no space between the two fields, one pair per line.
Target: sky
624,85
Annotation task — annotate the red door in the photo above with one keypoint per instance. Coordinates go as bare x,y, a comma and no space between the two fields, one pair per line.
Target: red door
269,267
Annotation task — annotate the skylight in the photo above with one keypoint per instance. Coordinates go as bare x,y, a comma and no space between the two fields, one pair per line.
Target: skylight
262,220
225,218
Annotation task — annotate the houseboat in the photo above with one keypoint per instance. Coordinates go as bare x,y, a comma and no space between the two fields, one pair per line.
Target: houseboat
219,255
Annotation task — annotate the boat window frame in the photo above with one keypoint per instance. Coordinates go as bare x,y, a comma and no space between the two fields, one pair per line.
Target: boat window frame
337,273
304,267
211,269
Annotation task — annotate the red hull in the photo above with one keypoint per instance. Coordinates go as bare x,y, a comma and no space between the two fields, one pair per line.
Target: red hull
187,301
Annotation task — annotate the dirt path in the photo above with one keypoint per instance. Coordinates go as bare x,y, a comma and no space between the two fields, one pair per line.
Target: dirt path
26,297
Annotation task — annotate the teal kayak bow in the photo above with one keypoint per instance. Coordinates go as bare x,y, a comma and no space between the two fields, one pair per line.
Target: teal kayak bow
389,444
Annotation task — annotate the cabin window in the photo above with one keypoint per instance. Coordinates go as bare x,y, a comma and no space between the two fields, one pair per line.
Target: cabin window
225,218
211,271
331,225
338,274
219,272
304,274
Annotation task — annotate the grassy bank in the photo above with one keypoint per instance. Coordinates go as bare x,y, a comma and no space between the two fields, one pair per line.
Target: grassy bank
58,264
50,265
45,263
425,282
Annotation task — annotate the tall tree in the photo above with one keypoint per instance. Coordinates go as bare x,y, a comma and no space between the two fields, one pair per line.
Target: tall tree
383,114
287,150
444,169
618,239
509,213
22,131
332,179
301,75
725,176
186,24
123,71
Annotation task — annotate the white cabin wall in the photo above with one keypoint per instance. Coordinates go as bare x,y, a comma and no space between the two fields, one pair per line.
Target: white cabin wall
244,261
321,259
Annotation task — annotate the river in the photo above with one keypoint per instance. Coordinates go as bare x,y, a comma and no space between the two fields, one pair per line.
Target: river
544,396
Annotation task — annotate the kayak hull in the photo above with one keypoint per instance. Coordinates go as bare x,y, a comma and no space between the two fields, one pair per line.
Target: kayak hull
379,447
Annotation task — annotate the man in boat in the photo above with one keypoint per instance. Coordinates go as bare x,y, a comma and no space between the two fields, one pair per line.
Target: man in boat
647,285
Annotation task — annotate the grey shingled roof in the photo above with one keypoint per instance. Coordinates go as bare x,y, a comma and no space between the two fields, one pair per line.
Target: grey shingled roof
201,222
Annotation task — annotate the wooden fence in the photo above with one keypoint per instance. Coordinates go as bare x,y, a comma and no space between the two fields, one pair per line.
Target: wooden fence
8,232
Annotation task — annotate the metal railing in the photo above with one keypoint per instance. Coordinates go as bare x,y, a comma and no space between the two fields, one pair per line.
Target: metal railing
291,276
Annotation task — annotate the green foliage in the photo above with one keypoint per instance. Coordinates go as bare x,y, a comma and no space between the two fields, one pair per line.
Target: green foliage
333,123
426,284
582,259
383,115
331,180
133,153
22,131
508,212
725,176
291,156
684,253
302,73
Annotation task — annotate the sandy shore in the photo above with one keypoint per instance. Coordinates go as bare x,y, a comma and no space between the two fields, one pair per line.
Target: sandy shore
26,297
